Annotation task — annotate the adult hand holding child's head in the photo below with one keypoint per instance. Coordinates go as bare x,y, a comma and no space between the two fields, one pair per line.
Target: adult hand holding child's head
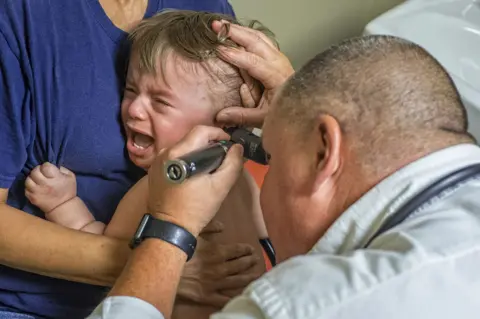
262,60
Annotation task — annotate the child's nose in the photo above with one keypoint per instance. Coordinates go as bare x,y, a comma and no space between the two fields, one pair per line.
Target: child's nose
136,110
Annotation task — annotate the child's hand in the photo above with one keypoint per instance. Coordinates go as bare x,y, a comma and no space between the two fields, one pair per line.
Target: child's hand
48,187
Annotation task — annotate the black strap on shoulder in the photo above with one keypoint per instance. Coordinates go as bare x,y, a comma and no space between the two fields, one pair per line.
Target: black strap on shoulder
430,192
268,248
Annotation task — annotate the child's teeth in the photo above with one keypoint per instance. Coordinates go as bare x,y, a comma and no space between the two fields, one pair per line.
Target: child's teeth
141,141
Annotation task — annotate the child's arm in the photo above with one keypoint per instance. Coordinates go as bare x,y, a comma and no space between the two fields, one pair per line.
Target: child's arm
74,214
54,191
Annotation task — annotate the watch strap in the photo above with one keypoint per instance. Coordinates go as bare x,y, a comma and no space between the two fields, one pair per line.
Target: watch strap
168,232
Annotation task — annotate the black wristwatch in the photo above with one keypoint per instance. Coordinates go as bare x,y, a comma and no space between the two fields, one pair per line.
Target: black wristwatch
151,227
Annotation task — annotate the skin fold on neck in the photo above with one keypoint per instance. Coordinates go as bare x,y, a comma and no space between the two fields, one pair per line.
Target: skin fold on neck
125,14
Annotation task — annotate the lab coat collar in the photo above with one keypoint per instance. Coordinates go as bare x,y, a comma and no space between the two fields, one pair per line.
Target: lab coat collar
361,220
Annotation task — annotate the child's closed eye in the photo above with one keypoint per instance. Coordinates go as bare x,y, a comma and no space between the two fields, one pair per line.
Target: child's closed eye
159,104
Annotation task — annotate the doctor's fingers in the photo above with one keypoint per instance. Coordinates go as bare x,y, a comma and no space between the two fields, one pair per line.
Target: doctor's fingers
252,40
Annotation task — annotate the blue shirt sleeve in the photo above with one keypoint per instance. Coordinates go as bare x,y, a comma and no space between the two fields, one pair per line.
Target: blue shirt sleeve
14,115
229,9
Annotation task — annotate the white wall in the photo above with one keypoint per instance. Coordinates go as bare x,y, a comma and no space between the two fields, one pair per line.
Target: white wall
306,27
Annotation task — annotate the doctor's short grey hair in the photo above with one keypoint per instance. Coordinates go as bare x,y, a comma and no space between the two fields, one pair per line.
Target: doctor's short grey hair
384,91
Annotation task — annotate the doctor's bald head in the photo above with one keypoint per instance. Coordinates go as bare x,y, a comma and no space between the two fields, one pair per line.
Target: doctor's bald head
376,84
350,117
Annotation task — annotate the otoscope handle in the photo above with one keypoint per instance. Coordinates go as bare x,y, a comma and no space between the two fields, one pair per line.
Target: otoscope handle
205,160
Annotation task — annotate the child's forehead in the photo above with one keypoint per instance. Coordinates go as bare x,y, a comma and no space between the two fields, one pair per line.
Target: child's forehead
177,74
172,68
173,64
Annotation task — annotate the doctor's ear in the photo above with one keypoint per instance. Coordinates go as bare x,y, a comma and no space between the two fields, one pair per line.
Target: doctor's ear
328,138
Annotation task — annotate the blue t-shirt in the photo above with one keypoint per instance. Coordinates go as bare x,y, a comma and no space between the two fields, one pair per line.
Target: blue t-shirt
62,66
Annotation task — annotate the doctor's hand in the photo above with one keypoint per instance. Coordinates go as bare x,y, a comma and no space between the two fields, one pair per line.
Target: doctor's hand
193,203
262,60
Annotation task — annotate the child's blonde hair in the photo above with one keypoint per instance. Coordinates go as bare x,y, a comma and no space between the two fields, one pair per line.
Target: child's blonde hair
189,35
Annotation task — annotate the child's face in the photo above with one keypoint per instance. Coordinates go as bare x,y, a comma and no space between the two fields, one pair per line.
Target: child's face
158,111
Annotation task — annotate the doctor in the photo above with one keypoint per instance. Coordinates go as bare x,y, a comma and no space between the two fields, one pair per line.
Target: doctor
355,137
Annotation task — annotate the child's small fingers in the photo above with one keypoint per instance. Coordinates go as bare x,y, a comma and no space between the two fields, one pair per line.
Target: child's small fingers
30,185
29,195
66,171
37,176
32,197
49,170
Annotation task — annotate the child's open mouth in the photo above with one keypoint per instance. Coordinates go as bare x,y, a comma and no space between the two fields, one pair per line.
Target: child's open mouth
139,144
141,141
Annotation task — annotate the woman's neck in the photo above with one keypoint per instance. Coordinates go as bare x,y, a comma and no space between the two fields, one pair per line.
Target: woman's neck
125,14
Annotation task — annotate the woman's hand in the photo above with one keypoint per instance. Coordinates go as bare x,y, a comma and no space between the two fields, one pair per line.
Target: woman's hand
261,59
215,268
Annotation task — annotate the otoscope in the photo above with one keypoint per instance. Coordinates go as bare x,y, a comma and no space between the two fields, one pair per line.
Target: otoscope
208,159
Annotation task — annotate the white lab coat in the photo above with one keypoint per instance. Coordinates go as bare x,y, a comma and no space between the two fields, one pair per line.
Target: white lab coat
427,267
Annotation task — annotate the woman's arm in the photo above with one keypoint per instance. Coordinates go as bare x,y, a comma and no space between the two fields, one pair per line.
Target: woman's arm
35,245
